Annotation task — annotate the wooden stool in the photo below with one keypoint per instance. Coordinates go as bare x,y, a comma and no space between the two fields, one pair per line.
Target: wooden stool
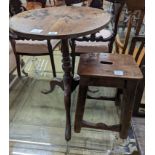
108,70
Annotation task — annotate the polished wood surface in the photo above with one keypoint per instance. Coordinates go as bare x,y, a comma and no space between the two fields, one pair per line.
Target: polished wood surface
104,65
59,22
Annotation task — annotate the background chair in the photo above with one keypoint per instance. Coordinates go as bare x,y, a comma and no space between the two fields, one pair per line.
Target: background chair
12,64
111,70
136,13
101,41
25,46
43,3
71,2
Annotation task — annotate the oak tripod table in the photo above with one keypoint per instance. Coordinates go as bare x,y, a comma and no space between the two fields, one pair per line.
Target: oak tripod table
60,23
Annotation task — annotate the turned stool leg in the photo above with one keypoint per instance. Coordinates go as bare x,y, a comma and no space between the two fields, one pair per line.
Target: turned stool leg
80,107
127,107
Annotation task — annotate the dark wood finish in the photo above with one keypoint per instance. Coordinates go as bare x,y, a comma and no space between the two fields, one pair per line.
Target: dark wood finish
102,98
12,60
17,58
68,22
101,126
139,5
138,126
59,82
80,106
16,7
50,48
139,95
91,3
70,2
127,105
53,83
104,65
67,80
100,70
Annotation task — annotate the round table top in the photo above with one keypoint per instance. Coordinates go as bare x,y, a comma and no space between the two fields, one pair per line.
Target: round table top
59,22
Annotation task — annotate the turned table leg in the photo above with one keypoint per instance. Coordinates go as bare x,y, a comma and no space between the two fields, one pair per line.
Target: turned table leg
68,84
127,107
67,80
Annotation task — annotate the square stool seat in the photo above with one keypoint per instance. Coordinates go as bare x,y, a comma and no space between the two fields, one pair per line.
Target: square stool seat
109,65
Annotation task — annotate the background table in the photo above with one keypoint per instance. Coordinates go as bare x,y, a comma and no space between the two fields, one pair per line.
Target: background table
60,23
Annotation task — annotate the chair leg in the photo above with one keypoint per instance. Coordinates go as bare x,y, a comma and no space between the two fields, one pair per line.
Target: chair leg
51,57
18,65
116,48
80,107
138,97
16,56
73,63
22,65
111,46
52,64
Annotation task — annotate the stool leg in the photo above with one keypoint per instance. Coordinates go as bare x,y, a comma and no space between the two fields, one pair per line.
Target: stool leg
127,107
139,94
118,93
80,107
